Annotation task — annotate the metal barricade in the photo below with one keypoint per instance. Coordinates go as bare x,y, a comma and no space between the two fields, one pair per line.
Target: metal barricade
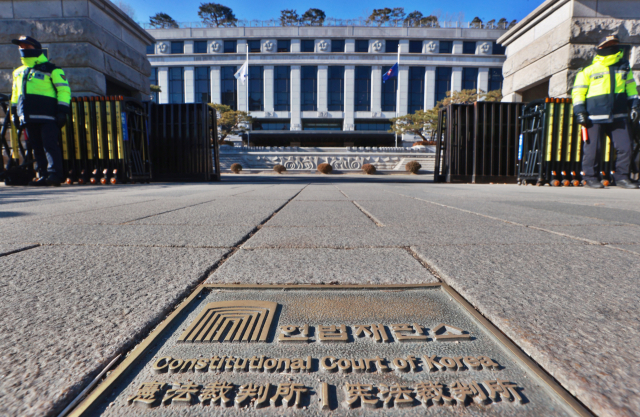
184,142
477,142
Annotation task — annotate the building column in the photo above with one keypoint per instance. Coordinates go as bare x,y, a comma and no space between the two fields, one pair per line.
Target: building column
457,47
483,79
376,89
403,106
296,115
188,47
189,85
349,97
216,93
456,79
323,85
163,83
242,95
430,88
268,87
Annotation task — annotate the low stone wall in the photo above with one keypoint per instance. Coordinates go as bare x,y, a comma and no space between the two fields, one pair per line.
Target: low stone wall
341,159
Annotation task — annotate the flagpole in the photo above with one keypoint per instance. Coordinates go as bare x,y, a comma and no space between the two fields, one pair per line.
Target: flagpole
398,93
249,130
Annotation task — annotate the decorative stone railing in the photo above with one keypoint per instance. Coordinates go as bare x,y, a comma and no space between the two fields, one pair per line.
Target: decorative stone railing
342,159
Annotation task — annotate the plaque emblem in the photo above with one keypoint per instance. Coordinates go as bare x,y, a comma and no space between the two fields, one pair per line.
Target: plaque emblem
215,46
236,321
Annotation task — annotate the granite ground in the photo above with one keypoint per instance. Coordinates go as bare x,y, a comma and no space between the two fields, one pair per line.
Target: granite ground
87,272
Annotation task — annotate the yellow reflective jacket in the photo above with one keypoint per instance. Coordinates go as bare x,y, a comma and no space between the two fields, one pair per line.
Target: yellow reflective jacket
605,89
40,91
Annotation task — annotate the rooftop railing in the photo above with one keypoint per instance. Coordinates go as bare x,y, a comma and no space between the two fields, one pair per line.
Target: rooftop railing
331,22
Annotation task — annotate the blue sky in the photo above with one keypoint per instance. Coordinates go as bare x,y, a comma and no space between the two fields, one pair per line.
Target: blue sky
187,10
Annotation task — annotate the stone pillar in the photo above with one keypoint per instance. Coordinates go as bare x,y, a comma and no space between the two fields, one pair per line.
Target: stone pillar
349,97
349,45
296,115
457,47
295,46
430,88
189,85
268,73
323,83
241,46
376,89
559,85
456,79
403,46
188,47
242,95
216,93
483,79
163,83
403,106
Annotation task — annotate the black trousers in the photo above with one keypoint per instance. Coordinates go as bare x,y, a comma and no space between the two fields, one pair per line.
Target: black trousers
43,138
618,131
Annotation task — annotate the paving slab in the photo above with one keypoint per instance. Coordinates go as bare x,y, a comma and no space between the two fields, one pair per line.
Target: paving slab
630,248
316,266
624,233
68,310
320,193
271,192
203,236
320,213
224,211
572,309
9,248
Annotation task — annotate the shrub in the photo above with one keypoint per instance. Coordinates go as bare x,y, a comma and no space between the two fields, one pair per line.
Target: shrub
325,168
279,169
368,169
236,168
424,143
413,167
226,142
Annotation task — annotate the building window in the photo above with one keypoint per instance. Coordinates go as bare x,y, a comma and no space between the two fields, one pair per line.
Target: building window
415,47
311,124
228,87
362,45
256,89
200,47
335,95
177,47
254,45
468,48
374,125
202,85
469,78
495,79
498,49
284,45
446,47
176,85
271,125
416,89
282,89
151,49
337,45
362,90
389,92
307,45
391,46
309,88
443,82
230,47
153,80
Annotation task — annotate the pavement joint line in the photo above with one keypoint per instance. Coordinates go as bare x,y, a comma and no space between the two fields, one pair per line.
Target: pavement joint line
621,249
47,216
589,241
129,246
168,211
11,252
369,215
424,263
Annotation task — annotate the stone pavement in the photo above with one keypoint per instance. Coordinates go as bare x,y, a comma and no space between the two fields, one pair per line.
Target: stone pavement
87,272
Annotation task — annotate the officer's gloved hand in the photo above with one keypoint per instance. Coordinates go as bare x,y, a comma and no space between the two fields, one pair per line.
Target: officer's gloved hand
61,120
582,118
635,113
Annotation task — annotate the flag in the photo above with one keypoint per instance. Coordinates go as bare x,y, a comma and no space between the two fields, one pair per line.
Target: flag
243,72
393,72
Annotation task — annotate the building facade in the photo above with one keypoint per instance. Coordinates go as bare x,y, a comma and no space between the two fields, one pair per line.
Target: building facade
546,49
323,79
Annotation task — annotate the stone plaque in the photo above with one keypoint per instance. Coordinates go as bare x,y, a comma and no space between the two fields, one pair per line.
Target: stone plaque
327,350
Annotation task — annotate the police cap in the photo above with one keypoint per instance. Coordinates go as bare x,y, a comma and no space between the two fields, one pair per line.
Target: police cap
28,40
608,41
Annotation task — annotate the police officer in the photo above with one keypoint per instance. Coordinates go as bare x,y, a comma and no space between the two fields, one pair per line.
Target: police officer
602,95
40,101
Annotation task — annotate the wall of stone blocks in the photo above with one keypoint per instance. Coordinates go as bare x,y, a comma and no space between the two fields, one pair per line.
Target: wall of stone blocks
92,40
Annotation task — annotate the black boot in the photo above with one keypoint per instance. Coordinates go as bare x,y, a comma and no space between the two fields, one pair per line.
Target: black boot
594,183
626,183
40,182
